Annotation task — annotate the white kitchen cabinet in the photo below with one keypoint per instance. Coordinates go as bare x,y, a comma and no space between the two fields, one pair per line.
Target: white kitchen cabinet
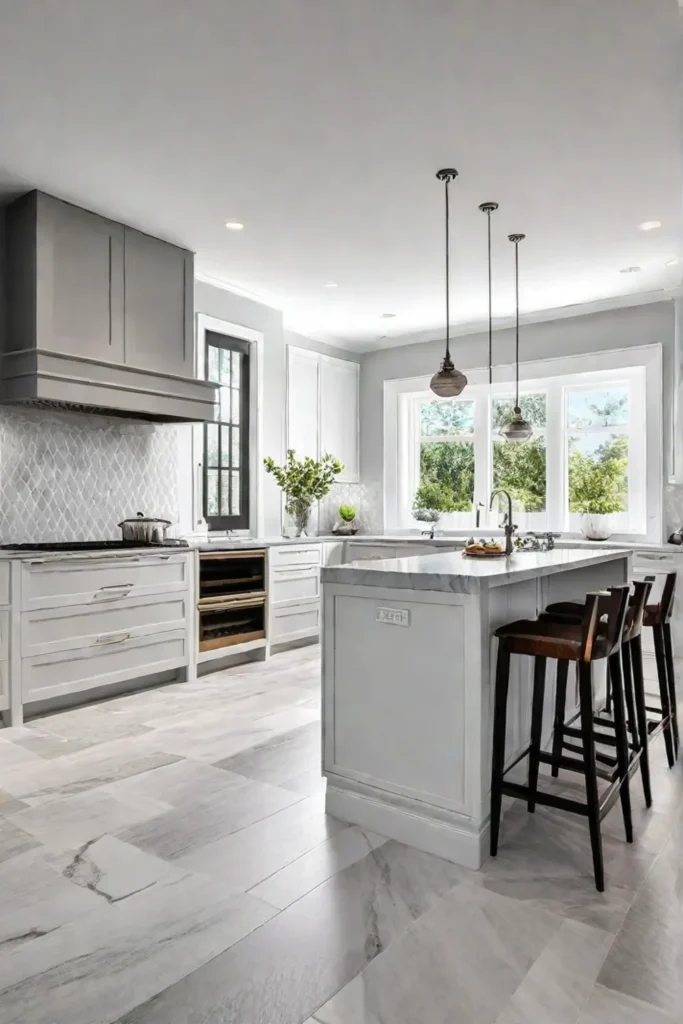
339,413
322,408
294,592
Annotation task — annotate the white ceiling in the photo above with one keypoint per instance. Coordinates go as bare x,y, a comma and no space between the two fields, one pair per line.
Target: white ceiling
320,124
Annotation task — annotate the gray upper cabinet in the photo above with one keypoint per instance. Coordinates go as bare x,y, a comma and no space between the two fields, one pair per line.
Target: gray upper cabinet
72,278
158,289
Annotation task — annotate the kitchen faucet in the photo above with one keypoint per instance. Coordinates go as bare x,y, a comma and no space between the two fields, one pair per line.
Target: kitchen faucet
507,521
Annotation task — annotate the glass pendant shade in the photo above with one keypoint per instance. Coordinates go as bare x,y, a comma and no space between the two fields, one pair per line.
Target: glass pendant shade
448,382
517,428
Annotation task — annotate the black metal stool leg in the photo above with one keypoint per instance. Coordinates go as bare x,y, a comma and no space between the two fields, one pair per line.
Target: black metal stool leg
560,710
660,655
671,678
500,700
590,769
621,737
536,729
636,657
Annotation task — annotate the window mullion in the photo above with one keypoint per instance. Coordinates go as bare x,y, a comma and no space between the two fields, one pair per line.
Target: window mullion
555,465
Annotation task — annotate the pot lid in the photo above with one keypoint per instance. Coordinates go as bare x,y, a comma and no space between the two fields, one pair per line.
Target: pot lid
142,518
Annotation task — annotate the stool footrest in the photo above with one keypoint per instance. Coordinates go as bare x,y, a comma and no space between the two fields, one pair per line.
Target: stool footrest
561,803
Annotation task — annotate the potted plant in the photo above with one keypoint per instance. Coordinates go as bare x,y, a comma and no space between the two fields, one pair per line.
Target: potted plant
303,482
346,525
598,487
431,501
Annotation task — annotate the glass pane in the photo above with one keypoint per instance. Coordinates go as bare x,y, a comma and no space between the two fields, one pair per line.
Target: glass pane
598,472
521,470
235,509
532,406
212,492
213,363
235,447
211,444
225,446
237,358
597,407
446,476
235,405
225,366
225,405
446,416
225,492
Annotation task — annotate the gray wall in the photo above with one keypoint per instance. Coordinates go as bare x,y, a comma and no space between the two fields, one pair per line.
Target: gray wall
594,332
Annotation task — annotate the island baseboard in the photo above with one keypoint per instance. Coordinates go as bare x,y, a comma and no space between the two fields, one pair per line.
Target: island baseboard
455,839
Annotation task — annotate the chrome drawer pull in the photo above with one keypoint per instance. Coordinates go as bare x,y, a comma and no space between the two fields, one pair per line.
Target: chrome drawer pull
112,638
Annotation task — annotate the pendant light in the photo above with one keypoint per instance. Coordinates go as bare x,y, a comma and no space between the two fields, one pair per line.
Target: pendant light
488,209
517,428
448,382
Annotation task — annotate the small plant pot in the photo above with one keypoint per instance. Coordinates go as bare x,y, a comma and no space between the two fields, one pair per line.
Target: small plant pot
596,526
346,527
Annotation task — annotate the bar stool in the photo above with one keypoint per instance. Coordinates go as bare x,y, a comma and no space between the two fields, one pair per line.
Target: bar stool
582,644
633,686
658,618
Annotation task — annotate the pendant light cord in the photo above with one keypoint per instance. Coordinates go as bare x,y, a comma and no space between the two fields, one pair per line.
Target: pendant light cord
490,305
517,325
448,273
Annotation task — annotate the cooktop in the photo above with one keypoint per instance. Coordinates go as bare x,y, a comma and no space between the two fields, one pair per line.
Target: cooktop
94,545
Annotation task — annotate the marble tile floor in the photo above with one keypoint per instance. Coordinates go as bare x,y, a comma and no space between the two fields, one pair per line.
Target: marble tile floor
165,858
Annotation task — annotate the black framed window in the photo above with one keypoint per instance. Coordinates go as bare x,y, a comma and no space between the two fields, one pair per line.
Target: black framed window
226,443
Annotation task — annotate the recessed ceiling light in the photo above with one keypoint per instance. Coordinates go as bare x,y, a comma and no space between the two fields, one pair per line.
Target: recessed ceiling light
388,316
649,225
629,270
673,263
331,284
234,225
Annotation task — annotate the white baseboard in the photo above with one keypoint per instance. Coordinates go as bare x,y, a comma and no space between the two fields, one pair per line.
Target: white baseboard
443,839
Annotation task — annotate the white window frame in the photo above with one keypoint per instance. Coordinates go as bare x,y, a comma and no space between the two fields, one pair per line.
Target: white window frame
555,377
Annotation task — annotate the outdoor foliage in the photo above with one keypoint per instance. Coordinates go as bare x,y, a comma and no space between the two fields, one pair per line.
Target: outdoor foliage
305,481
598,482
450,466
520,469
434,497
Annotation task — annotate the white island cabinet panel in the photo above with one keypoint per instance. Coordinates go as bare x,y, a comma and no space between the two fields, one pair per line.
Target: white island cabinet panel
339,414
408,667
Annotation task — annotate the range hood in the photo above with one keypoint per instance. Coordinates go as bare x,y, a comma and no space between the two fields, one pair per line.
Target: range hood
100,317
52,380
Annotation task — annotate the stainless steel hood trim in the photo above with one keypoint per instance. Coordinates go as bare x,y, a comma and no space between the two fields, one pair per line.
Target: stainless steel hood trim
18,353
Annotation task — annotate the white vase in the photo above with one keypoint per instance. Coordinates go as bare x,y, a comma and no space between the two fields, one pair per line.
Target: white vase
596,526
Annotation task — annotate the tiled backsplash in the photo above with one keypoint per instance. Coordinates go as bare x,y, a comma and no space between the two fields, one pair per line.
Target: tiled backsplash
366,498
69,476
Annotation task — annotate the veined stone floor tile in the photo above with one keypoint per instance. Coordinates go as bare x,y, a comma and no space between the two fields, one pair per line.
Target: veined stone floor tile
177,783
183,830
69,822
252,854
14,840
99,967
280,758
607,1007
294,963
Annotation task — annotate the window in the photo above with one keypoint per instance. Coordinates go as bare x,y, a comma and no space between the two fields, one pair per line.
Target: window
447,451
226,443
595,432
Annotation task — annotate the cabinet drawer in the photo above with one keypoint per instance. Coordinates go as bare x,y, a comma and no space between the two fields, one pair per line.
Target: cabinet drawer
295,554
4,582
294,584
59,582
294,621
71,627
52,675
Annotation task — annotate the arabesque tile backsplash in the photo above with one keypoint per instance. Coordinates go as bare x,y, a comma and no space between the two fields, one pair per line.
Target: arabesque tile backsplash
69,476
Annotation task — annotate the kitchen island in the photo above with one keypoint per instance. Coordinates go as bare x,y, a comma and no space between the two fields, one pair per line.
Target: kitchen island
408,668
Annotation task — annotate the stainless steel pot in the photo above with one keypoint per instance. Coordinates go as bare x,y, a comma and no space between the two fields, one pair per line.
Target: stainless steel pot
144,529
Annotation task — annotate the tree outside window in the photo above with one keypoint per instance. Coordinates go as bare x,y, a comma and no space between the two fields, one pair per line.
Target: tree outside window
447,450
597,448
520,468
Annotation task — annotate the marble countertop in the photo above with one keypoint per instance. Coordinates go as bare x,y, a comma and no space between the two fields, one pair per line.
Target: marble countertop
456,573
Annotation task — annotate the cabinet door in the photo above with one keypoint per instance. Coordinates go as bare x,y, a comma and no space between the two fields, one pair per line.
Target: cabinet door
339,413
79,300
158,302
302,402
